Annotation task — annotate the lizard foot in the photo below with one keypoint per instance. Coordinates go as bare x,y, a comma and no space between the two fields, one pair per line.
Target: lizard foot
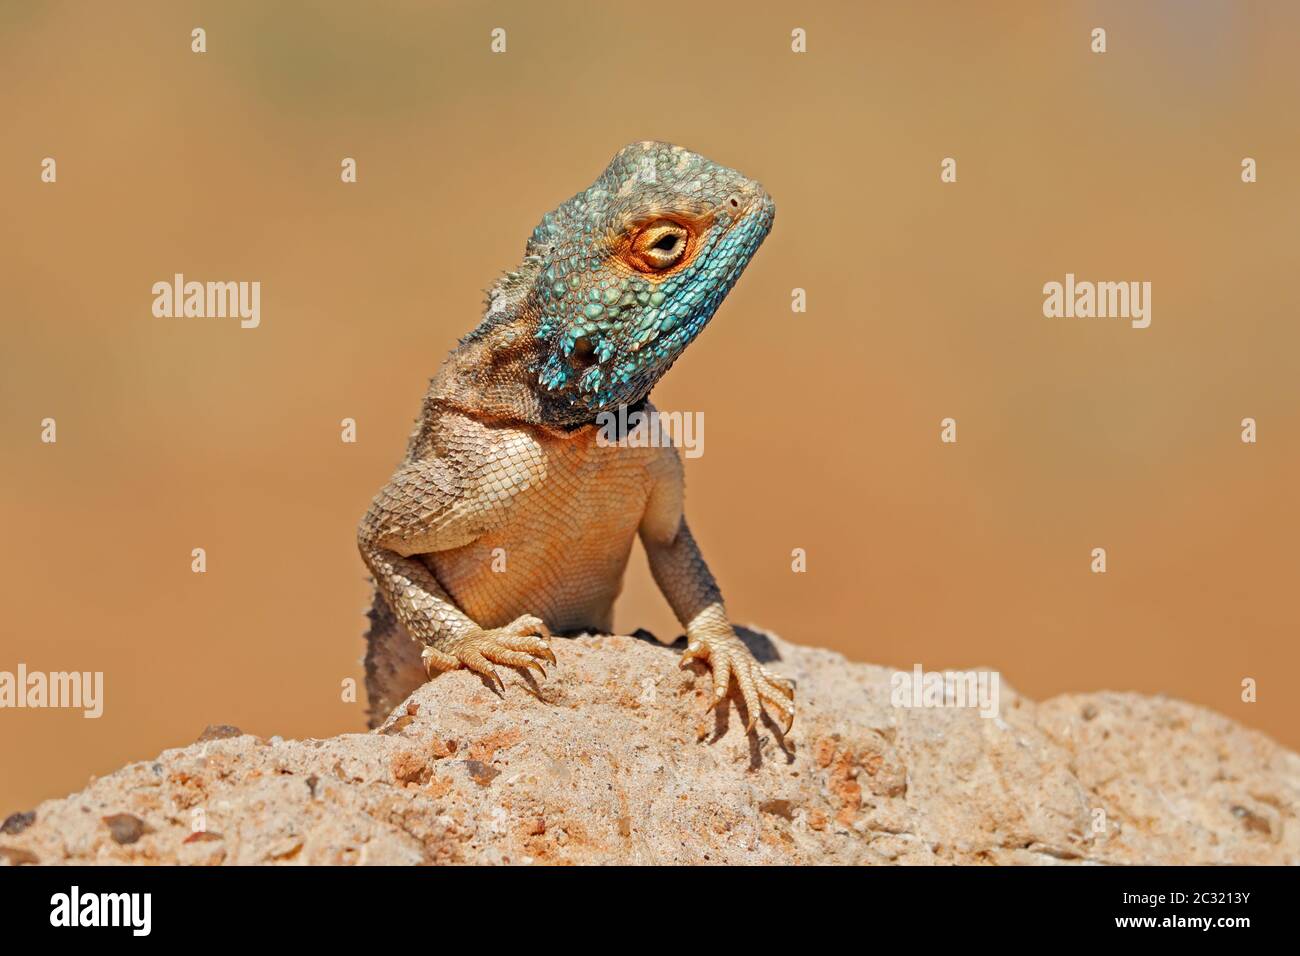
727,656
524,642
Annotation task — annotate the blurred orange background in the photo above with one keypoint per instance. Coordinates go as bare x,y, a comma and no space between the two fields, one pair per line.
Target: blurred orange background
924,301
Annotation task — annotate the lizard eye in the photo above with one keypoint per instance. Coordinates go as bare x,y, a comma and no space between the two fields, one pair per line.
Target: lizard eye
660,245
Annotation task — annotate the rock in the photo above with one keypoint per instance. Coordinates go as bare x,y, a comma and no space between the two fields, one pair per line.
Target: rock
17,822
16,856
218,732
124,827
613,759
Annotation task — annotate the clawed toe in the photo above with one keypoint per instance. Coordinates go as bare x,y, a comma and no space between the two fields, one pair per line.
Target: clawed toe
760,689
523,643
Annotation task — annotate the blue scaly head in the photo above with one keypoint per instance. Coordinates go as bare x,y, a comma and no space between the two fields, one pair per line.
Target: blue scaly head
617,281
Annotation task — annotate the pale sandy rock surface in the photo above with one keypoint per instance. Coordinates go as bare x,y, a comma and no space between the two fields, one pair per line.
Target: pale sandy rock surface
616,762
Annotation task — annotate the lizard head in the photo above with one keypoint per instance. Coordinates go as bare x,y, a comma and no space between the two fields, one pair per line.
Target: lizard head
625,274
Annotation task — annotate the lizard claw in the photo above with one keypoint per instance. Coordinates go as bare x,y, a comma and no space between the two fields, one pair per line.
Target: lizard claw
727,658
524,642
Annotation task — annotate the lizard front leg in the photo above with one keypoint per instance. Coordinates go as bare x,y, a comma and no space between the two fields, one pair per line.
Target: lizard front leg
684,578
450,638
435,504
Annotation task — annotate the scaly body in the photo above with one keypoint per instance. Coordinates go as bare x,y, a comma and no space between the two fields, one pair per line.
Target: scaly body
510,518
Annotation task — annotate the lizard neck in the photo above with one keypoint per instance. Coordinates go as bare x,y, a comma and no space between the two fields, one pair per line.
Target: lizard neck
492,375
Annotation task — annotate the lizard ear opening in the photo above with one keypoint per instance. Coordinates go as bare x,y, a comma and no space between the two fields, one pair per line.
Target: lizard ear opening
584,352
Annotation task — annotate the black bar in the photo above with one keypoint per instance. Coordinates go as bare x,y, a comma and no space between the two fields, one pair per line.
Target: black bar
302,904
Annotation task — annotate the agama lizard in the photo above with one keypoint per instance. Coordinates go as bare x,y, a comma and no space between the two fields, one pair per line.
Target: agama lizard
509,517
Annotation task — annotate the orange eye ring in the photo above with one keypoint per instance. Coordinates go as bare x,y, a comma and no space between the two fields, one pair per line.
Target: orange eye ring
660,246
